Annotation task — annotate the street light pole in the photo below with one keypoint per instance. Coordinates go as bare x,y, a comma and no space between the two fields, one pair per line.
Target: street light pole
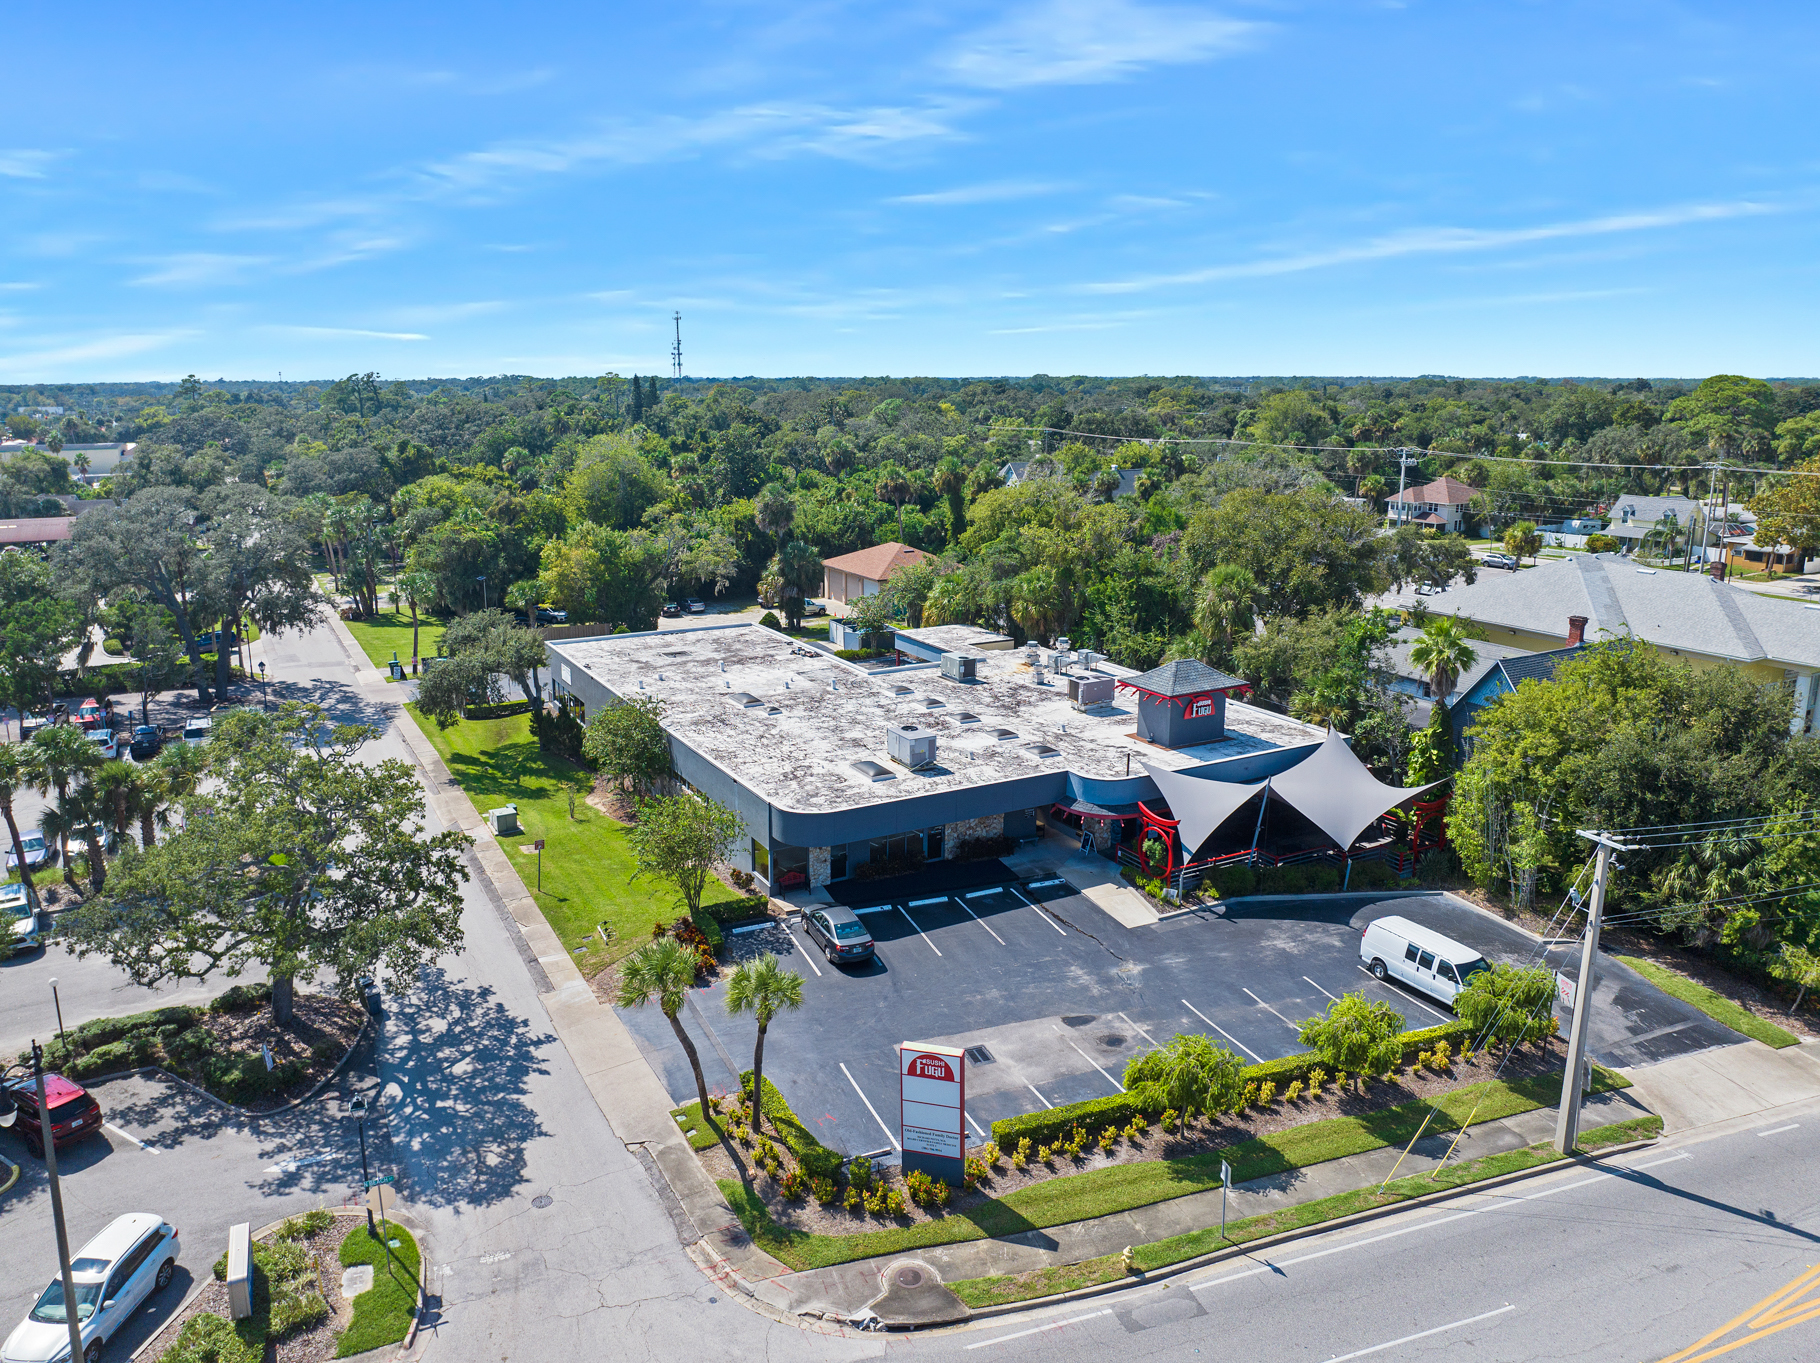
263,705
359,1108
8,1115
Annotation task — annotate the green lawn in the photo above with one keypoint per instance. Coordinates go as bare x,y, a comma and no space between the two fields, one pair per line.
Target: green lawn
1045,1282
587,864
1715,1006
389,632
382,1314
1121,1187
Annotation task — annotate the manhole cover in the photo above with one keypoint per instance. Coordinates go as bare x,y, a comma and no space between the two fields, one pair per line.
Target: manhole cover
541,1201
1112,1039
979,1055
908,1277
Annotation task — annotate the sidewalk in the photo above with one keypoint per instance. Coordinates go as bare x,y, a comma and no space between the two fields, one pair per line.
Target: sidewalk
631,1097
1726,1082
845,1289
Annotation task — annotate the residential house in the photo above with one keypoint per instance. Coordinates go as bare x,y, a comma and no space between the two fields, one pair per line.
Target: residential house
1690,616
863,572
1439,506
1021,471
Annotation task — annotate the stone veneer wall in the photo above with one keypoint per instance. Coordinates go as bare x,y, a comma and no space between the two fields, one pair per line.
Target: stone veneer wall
967,830
820,862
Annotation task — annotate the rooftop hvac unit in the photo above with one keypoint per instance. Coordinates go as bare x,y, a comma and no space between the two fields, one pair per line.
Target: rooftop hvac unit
960,666
1087,692
910,745
1061,644
1089,658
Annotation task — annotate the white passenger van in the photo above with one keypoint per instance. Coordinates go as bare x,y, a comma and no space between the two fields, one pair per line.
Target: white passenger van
1395,948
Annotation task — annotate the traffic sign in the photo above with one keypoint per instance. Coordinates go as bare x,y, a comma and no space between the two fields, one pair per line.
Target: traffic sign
375,1182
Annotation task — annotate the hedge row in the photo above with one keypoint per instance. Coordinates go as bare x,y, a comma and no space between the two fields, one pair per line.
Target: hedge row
1044,1127
816,1159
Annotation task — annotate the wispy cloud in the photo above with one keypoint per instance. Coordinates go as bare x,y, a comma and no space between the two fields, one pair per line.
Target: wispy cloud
998,191
18,286
25,164
1055,326
194,269
346,331
1084,42
430,313
38,364
1421,241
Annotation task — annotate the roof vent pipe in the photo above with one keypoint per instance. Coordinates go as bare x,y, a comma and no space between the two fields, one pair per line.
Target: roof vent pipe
1576,630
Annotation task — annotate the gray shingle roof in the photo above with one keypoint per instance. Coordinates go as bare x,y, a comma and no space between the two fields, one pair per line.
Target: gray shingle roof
1669,609
1184,677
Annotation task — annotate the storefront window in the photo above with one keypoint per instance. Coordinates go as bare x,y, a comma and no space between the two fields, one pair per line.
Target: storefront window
761,859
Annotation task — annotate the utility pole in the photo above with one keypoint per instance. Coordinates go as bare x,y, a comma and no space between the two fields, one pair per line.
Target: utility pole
1404,459
1567,1123
676,350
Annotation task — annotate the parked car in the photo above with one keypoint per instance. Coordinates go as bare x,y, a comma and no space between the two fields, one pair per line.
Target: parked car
30,724
88,714
1499,561
813,608
74,1115
843,938
694,606
549,615
24,929
38,852
197,730
147,743
106,741
671,610
112,1274
1395,948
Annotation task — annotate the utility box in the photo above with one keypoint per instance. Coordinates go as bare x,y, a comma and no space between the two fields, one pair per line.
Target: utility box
503,821
1086,692
960,667
240,1270
910,745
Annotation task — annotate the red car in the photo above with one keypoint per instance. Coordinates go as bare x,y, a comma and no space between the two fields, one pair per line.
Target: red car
74,1112
88,714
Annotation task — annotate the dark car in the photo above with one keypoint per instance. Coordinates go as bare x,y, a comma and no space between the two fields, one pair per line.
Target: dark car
838,931
671,610
74,1111
148,741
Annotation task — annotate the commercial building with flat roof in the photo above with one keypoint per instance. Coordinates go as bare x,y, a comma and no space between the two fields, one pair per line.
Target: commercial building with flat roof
833,767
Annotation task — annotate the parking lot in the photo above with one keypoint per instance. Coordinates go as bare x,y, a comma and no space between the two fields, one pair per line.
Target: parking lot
1061,996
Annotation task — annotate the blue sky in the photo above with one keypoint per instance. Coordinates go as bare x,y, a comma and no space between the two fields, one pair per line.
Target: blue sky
1065,186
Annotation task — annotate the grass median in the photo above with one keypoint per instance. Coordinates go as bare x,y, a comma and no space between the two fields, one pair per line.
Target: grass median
587,862
389,632
1122,1187
382,1314
1044,1282
1715,1006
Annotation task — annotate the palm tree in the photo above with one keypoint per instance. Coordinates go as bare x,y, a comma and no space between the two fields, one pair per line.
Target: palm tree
762,988
799,567
64,752
418,589
951,482
18,771
663,971
894,486
775,511
1228,608
82,811
120,788
1443,653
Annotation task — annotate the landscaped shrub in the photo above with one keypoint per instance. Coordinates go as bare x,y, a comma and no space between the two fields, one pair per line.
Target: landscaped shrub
242,998
859,1173
894,1202
770,621
209,1338
989,1153
303,1227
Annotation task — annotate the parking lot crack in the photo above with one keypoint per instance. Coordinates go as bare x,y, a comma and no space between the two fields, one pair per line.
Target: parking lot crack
1076,927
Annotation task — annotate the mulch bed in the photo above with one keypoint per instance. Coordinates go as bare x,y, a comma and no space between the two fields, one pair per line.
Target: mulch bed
306,1346
321,1031
1201,1136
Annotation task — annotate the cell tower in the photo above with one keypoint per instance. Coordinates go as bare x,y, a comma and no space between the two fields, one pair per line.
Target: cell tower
676,350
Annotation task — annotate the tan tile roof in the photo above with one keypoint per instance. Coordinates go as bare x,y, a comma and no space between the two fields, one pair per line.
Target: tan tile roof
878,562
1441,492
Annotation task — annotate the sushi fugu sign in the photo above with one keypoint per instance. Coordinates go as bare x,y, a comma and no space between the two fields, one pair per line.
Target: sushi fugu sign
933,1122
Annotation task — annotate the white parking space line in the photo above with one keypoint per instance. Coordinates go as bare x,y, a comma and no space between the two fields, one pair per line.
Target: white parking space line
1090,1060
1038,1329
1322,990
1405,994
1379,1348
1778,1130
919,932
149,1149
1039,909
982,922
874,1111
291,1166
1039,1097
807,955
1222,1031
1260,1003
975,1125
1141,1031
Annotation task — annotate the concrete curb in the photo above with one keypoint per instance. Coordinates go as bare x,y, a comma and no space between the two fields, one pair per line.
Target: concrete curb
222,1103
1303,1232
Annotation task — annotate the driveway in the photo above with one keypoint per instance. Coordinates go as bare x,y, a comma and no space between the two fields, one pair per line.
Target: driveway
1060,996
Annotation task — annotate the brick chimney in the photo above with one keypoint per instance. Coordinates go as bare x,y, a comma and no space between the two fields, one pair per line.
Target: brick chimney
1576,630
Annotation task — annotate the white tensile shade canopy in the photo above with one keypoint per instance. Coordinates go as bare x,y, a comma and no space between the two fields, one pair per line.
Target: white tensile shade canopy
1333,790
1199,805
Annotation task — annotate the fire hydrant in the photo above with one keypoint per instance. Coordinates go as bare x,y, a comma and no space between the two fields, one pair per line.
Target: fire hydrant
1128,1260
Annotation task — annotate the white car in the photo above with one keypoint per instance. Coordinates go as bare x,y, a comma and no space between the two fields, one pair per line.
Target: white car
1397,949
112,1274
38,852
196,730
20,929
107,741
